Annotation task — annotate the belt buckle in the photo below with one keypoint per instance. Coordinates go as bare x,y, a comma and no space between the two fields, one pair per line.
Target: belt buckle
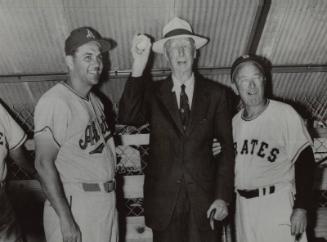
109,186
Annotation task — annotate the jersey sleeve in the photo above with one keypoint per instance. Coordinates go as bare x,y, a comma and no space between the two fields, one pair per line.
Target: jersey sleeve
14,134
297,136
51,118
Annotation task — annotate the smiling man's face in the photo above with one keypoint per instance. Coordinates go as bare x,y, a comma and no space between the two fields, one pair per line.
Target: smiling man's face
250,84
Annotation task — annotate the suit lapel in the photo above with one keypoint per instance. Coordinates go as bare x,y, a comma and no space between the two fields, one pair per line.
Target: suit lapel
200,104
168,99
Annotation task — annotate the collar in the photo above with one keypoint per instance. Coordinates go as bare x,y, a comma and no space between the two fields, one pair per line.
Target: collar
177,83
255,115
87,98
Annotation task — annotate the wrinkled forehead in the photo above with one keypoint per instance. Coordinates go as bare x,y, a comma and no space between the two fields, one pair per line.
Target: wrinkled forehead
178,41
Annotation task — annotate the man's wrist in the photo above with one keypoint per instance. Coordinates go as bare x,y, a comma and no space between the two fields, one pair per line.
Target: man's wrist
302,210
222,200
136,75
137,71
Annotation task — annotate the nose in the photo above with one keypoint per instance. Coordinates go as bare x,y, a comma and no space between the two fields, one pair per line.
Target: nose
96,61
252,84
181,51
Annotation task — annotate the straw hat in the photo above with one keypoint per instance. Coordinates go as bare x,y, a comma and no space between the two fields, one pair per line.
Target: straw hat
178,28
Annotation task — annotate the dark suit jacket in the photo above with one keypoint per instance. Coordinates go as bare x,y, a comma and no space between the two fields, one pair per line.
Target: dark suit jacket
174,152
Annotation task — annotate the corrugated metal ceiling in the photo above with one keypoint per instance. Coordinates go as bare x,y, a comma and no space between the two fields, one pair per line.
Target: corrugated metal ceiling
33,36
33,33
295,33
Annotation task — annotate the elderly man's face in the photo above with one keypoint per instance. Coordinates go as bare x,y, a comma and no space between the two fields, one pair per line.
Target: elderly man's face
180,53
250,84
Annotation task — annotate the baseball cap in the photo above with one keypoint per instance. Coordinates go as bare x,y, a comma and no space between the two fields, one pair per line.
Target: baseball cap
247,58
83,35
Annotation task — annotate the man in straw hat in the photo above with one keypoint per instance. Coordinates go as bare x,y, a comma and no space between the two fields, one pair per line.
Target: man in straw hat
184,182
75,153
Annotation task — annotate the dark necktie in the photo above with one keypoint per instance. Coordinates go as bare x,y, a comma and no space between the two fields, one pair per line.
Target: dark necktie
184,107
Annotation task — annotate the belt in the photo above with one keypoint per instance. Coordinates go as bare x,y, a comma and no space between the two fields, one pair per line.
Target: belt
108,186
257,192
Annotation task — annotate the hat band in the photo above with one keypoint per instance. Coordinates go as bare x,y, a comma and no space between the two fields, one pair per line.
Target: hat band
177,32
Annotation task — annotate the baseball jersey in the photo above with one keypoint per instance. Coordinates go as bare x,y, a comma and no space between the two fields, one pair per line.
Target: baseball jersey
78,126
11,137
267,146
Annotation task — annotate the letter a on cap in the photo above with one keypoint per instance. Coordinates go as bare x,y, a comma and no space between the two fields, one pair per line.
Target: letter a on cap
90,35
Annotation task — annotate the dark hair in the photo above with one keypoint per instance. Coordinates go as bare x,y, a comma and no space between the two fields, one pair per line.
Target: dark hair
261,63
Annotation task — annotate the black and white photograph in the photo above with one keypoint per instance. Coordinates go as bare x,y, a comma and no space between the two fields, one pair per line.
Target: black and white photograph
163,121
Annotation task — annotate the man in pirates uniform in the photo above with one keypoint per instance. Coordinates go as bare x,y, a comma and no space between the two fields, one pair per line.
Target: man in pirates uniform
274,161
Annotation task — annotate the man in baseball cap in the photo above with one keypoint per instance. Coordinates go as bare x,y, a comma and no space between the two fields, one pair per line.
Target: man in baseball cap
274,160
75,152
83,35
186,186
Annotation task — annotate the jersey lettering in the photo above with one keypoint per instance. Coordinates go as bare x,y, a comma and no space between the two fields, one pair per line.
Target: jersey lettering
235,147
92,136
254,142
273,154
254,147
263,146
245,149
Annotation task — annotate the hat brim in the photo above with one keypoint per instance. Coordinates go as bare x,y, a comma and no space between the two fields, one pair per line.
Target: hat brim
199,42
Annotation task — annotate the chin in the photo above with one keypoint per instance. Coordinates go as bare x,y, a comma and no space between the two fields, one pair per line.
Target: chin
95,79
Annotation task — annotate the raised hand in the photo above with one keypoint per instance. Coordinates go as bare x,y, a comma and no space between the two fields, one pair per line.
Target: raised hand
141,47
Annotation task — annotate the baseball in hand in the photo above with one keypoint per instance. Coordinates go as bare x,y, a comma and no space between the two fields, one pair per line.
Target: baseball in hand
141,45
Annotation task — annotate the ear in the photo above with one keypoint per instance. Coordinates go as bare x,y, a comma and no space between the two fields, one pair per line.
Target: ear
234,88
69,62
165,54
195,54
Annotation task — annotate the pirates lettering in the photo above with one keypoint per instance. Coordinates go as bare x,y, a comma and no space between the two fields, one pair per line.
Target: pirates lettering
273,154
235,147
245,149
254,147
263,146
